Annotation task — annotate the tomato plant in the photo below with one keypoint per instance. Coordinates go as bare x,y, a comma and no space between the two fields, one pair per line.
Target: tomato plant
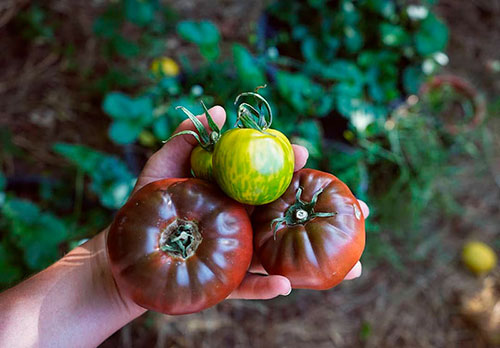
179,246
314,234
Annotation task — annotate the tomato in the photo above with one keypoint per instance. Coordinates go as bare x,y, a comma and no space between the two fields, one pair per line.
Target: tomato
179,246
253,166
165,66
319,231
201,156
253,163
201,163
479,257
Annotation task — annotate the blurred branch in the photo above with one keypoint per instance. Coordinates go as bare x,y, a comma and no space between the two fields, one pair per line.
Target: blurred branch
9,10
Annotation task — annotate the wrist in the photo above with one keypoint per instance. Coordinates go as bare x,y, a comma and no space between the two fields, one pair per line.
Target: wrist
103,283
74,300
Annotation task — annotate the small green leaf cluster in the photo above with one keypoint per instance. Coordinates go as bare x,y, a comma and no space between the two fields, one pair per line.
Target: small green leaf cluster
110,178
33,239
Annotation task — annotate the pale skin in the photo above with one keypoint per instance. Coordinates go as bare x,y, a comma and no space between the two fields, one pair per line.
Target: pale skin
75,302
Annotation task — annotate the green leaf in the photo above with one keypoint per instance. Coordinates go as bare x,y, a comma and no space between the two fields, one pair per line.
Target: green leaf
3,182
140,12
298,90
316,3
381,59
83,157
382,83
37,233
201,33
108,23
141,110
131,116
432,36
365,331
311,135
22,210
350,14
342,70
170,85
412,79
385,8
210,52
117,105
353,39
116,194
393,35
161,128
248,71
111,179
124,132
124,47
309,49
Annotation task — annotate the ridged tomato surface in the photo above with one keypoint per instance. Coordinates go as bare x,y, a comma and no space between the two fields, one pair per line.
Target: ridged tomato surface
319,253
154,219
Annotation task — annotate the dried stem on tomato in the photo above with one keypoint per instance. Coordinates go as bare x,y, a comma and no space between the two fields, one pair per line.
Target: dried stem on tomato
181,238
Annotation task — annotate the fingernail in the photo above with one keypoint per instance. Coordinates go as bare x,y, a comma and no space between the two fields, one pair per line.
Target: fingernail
288,293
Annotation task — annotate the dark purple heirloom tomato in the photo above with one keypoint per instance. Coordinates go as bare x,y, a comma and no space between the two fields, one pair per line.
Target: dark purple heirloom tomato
313,234
179,246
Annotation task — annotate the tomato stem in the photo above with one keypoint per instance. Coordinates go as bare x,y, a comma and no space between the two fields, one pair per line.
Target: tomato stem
247,112
300,212
180,239
206,140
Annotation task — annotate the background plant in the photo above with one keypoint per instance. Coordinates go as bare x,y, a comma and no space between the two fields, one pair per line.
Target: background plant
338,84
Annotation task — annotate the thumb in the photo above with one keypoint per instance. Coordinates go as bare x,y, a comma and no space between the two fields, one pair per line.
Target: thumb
172,160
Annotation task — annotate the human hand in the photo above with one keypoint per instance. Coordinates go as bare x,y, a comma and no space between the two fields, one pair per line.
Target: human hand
172,161
77,300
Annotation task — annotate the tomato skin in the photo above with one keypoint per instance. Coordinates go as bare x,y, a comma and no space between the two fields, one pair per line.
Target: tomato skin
319,253
166,283
253,167
201,163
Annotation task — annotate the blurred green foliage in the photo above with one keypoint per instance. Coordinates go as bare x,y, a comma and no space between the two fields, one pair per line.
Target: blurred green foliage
110,178
338,74
34,25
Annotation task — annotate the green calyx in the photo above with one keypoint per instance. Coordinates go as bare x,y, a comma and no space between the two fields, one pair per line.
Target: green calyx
180,239
252,117
206,140
300,212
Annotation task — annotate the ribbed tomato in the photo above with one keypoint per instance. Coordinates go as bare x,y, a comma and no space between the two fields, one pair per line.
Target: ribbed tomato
313,234
179,246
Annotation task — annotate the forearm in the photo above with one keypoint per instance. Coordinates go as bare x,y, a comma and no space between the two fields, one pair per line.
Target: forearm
73,303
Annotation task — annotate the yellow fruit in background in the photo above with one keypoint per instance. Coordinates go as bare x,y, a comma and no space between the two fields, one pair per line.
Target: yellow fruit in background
146,138
165,66
479,257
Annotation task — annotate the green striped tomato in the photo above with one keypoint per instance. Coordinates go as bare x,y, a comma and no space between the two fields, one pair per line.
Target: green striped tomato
251,166
201,163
